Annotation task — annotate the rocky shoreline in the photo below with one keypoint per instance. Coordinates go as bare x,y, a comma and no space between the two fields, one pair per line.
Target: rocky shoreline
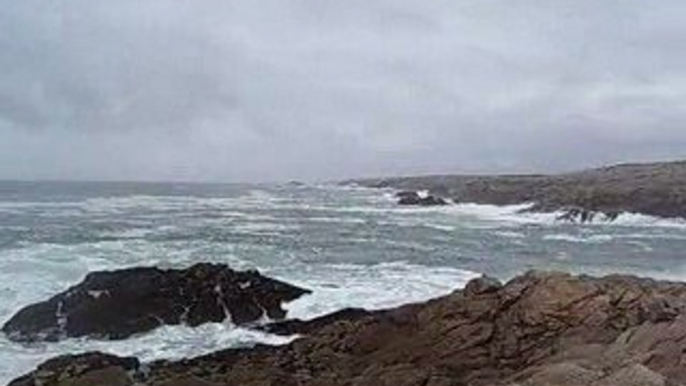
655,189
118,304
538,329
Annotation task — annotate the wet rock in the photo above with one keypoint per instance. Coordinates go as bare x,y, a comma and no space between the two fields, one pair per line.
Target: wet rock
409,194
118,304
539,329
577,214
581,215
415,199
296,326
482,285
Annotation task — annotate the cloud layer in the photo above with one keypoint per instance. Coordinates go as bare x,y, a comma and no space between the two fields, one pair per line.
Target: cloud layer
319,89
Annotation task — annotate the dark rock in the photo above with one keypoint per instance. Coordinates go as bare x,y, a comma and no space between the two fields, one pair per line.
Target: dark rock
582,216
407,194
296,326
118,304
415,199
432,201
539,329
482,285
577,214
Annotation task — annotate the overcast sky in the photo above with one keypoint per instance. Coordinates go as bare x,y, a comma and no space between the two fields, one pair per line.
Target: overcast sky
322,89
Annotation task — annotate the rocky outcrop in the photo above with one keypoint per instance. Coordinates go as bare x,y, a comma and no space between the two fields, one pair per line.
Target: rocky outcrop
416,199
581,215
88,369
657,189
118,304
539,329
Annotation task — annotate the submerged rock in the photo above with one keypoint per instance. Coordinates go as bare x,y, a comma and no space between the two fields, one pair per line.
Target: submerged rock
539,329
118,304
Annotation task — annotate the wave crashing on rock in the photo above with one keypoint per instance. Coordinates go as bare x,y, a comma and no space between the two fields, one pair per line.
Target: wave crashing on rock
118,304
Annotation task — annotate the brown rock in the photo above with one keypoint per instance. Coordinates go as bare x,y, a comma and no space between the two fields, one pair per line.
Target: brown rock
539,329
82,370
562,374
657,189
636,375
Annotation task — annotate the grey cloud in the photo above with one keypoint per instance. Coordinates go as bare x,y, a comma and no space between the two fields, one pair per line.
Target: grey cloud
319,89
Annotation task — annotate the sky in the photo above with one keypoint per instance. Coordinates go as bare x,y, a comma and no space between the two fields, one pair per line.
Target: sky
262,90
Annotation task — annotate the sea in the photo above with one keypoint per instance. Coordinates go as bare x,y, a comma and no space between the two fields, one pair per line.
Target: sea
352,246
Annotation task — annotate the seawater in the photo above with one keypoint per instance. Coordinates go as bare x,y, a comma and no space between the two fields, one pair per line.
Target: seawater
354,247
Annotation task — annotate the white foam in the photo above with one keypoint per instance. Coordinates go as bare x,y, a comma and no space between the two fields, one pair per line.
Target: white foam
118,205
378,286
510,234
167,342
440,227
520,214
264,227
423,193
645,247
132,233
641,220
335,220
516,214
419,222
255,198
578,239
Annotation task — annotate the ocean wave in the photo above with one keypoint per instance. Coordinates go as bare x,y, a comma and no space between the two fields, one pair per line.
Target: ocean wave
131,233
510,234
113,205
418,222
641,220
566,237
521,214
335,220
264,228
166,342
515,214
378,286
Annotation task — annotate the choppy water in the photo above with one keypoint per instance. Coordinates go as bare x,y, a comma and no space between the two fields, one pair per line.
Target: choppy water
352,246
